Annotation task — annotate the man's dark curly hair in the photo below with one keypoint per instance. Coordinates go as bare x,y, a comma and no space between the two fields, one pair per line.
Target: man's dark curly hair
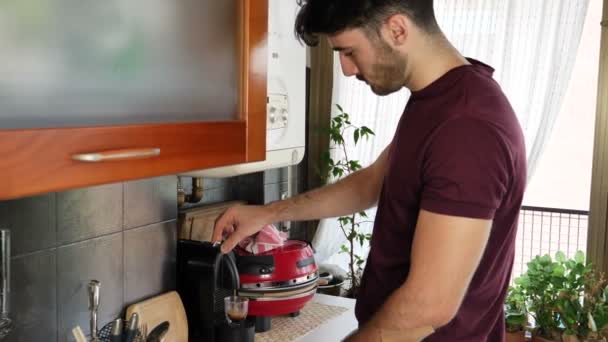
334,16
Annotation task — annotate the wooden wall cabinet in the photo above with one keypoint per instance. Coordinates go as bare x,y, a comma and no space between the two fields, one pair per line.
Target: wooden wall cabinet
36,160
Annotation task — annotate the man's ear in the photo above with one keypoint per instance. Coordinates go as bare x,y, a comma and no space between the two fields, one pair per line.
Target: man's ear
396,29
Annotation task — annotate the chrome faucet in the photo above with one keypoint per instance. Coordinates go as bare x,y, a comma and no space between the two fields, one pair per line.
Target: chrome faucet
6,324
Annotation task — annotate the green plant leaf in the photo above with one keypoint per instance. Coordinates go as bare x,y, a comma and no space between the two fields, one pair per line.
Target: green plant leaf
580,257
545,259
354,165
559,270
335,172
340,108
363,214
367,130
560,257
356,136
361,239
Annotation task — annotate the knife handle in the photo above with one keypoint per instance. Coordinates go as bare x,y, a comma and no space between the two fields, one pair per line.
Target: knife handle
131,330
116,335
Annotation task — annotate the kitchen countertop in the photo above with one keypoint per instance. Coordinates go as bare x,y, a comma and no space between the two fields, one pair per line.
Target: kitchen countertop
337,328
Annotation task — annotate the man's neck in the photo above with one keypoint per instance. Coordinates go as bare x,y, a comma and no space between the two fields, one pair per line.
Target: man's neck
433,60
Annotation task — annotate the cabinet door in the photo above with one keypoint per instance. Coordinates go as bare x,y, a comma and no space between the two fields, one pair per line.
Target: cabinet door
149,88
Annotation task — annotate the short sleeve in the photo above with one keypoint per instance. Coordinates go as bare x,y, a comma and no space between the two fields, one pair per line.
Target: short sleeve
466,170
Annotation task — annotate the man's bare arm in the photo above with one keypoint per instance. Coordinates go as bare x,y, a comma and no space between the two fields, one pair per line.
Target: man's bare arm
445,255
356,192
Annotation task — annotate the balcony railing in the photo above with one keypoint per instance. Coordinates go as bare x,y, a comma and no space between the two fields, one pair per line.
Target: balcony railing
546,231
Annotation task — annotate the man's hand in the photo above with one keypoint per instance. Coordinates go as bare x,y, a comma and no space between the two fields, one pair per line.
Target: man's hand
239,222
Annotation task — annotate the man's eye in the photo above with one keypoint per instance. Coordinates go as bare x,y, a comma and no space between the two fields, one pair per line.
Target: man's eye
348,54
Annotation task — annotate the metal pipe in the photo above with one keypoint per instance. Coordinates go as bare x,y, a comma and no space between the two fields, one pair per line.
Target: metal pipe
194,197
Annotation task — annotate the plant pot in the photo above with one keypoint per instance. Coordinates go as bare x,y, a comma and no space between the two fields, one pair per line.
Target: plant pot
570,338
518,336
540,339
595,339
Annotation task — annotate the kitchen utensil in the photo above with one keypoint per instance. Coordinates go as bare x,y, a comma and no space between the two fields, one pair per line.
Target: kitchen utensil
6,324
79,335
143,331
167,307
93,291
116,335
235,308
159,332
104,334
131,330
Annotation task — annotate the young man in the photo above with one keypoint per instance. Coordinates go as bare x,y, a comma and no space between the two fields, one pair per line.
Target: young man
448,187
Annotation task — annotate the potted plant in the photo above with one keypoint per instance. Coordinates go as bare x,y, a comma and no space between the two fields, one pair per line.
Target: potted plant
569,279
339,131
516,314
539,285
596,306
567,298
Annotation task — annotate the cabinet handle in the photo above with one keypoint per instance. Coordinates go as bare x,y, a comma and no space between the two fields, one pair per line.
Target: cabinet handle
125,154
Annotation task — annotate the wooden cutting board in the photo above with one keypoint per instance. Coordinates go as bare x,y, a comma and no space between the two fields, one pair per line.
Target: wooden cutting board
197,223
166,307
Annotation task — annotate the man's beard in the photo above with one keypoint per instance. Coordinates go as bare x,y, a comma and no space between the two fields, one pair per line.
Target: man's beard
388,74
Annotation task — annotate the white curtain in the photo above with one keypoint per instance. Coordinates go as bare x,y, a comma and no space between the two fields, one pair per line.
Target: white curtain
532,45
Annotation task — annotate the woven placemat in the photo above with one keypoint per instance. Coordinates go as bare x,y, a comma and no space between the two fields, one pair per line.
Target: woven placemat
285,328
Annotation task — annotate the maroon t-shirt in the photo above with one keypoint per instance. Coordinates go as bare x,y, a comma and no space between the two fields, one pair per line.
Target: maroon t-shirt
458,150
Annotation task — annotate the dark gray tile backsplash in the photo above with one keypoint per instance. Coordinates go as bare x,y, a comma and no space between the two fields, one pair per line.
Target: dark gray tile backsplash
149,261
150,200
274,176
272,192
250,188
214,183
60,241
217,195
123,235
34,298
28,218
77,264
87,213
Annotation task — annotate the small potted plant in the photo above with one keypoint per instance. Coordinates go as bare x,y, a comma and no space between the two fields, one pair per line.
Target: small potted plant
516,314
569,279
596,306
340,130
566,298
541,297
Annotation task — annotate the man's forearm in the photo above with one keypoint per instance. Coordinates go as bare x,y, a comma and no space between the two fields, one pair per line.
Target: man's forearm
409,312
357,192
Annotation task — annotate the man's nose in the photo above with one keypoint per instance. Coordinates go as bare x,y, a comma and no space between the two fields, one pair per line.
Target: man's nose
348,67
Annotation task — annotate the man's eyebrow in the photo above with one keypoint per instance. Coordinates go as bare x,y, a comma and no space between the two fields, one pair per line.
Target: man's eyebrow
340,48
